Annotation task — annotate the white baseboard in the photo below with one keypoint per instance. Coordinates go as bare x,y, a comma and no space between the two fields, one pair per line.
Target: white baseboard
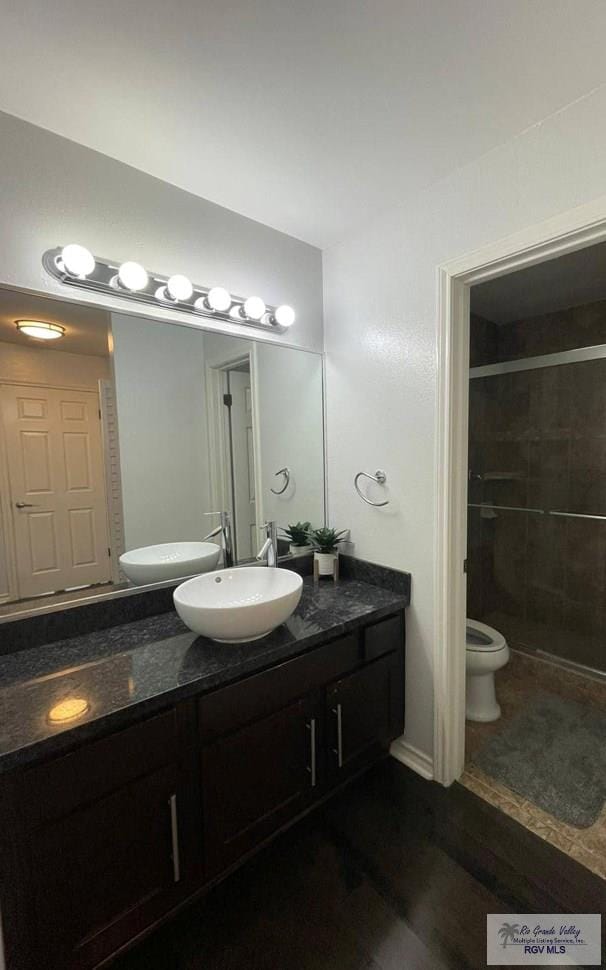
410,756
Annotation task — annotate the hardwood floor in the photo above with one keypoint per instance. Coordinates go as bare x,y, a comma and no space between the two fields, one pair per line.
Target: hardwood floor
393,874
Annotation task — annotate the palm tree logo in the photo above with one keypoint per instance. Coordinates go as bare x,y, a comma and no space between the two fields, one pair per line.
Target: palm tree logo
508,932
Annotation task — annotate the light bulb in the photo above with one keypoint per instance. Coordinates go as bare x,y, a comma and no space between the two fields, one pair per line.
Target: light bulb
254,307
40,330
218,299
77,260
179,287
133,276
284,316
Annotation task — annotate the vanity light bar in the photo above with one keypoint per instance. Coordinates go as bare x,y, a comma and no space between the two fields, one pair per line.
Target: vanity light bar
76,266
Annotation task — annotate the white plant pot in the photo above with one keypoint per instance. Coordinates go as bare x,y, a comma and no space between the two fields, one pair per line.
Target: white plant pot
326,562
299,550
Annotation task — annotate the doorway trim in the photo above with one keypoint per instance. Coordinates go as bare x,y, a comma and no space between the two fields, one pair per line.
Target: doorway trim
221,493
576,229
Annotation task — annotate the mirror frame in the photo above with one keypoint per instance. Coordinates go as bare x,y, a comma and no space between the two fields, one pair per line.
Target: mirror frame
41,608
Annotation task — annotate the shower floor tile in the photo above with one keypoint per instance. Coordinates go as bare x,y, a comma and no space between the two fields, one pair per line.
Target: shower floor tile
516,685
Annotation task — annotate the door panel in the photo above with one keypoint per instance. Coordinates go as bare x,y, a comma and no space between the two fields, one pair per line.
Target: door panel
363,714
76,451
56,473
42,536
82,534
73,410
35,455
29,407
253,781
100,874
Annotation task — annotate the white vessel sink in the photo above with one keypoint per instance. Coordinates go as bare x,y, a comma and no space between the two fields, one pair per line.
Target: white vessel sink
169,560
236,605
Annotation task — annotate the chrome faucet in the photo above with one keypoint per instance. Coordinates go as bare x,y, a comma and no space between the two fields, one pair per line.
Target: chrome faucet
224,530
269,549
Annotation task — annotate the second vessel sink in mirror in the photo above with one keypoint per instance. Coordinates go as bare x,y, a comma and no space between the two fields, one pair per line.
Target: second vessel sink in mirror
236,605
169,560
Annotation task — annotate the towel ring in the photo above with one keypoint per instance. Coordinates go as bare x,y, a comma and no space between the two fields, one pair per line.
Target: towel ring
286,473
380,478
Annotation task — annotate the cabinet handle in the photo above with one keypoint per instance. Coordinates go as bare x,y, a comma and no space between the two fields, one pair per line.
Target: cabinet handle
311,727
174,831
339,749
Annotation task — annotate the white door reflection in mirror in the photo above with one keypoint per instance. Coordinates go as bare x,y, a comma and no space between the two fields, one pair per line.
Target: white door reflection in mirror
57,487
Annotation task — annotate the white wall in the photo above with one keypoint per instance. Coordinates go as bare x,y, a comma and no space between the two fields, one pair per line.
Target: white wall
292,434
380,337
33,365
55,191
161,400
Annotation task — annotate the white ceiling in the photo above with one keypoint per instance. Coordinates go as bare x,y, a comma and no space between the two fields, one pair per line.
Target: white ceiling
569,281
308,115
86,327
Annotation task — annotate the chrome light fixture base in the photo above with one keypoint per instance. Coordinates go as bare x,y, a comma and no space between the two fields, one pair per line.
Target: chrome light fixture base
104,279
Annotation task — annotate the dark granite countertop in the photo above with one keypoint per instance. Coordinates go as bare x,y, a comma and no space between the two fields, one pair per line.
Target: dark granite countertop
134,669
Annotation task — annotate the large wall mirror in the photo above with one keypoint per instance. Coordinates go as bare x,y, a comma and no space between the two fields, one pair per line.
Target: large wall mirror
121,438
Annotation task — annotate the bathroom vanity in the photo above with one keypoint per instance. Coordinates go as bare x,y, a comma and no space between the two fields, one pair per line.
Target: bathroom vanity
187,757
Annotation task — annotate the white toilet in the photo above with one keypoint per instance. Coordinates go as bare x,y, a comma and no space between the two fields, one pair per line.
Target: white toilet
486,651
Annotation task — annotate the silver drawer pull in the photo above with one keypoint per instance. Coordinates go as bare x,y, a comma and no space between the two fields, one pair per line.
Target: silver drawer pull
311,727
174,831
339,749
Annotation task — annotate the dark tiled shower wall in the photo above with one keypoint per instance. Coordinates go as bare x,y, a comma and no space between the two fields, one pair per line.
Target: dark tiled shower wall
538,439
581,326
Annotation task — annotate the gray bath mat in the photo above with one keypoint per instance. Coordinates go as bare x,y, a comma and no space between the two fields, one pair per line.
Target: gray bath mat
554,754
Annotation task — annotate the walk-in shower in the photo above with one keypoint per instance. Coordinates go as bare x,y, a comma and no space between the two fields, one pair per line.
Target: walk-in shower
537,474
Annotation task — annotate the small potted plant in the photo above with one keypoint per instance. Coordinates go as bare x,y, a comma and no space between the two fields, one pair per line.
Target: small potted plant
298,534
325,543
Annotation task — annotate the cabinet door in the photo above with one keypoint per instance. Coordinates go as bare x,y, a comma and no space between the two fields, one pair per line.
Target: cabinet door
103,873
364,713
256,779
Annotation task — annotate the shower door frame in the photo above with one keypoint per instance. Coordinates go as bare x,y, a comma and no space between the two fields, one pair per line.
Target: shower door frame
576,229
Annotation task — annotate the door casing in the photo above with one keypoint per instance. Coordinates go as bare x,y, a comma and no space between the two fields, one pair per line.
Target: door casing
218,445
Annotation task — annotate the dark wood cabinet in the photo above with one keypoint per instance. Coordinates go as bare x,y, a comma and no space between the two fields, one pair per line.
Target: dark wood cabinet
103,844
365,709
256,779
103,873
286,736
359,716
107,840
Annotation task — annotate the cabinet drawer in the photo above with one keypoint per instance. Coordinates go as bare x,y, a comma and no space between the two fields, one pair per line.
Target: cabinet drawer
255,697
383,637
100,767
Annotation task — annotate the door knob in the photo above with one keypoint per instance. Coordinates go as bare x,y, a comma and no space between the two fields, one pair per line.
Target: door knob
25,505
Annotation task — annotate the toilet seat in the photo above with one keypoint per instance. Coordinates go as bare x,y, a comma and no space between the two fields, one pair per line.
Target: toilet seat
485,639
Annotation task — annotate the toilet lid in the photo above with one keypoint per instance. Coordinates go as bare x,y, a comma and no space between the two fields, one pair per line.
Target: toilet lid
481,637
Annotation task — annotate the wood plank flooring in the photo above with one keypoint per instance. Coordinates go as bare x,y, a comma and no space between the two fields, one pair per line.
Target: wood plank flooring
393,874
